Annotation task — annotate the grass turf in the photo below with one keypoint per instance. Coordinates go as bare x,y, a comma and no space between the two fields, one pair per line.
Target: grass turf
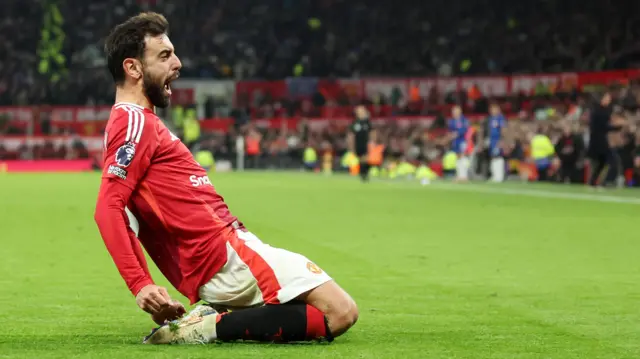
436,272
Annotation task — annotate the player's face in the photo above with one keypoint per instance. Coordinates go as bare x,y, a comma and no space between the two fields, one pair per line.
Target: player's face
160,67
456,111
361,112
495,110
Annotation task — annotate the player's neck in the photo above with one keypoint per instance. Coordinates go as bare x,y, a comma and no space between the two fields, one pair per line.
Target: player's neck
125,95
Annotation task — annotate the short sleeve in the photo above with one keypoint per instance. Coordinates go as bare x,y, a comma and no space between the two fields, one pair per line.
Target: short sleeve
130,143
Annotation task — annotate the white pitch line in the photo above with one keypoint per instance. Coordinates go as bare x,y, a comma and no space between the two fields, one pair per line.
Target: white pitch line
533,193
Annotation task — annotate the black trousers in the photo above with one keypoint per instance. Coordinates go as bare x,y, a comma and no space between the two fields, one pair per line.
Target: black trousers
364,170
568,170
364,165
483,163
543,174
615,168
599,162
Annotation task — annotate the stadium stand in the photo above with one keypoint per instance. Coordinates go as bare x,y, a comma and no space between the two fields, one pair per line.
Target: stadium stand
292,71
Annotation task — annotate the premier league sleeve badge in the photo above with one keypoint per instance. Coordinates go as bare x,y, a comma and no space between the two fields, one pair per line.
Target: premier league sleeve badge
125,154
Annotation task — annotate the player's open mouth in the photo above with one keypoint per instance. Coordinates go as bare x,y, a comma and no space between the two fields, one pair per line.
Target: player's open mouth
167,83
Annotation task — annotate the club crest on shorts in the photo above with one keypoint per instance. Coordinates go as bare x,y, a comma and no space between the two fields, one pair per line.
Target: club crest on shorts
125,154
313,268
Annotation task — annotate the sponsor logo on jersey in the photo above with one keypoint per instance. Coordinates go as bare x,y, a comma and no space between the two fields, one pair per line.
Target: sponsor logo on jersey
125,154
117,171
197,181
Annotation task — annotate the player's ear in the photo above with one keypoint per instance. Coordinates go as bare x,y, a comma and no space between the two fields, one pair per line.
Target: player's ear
133,68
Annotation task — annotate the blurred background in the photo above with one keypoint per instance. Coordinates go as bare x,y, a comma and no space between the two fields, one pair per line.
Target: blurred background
272,84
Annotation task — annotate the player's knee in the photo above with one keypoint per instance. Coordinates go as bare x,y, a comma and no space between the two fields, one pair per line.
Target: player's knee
338,307
342,317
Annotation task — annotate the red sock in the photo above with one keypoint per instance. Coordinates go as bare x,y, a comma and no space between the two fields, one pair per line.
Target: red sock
274,323
316,324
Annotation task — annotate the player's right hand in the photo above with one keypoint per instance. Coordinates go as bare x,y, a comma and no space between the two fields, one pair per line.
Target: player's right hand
171,312
153,299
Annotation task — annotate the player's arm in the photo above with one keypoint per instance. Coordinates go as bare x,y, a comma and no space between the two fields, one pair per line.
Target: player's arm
616,123
124,248
119,239
129,147
351,141
452,130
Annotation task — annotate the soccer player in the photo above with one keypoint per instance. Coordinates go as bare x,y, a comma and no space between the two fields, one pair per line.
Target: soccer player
360,134
459,133
153,192
493,131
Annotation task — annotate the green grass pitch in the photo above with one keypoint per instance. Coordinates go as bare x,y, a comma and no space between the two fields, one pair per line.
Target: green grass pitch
442,271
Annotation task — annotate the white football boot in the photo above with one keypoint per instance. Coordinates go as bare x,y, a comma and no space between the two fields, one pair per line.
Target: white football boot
197,327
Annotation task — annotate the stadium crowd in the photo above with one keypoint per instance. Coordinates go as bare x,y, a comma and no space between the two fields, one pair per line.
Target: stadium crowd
52,55
564,121
273,39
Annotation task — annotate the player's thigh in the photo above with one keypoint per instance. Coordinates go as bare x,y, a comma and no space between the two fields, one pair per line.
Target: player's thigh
294,273
233,287
257,274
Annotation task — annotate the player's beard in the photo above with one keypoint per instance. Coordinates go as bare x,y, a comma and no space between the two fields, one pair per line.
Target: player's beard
154,90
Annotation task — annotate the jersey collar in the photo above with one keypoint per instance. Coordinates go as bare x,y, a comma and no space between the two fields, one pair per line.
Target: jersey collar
129,104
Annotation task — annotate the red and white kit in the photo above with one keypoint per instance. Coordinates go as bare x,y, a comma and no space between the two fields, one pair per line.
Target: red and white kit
154,192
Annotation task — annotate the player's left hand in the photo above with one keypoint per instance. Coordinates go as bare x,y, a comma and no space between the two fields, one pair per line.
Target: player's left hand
172,311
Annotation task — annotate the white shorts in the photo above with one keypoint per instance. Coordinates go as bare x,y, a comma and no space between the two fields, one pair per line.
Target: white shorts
462,167
256,274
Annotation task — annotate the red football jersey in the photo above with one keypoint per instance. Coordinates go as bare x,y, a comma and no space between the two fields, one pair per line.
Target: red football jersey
171,206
